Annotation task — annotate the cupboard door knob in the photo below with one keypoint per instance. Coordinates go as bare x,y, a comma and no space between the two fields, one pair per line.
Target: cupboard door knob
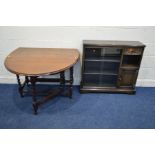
119,78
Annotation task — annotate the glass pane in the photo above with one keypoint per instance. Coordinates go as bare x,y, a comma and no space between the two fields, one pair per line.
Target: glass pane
110,51
98,53
101,66
100,80
93,53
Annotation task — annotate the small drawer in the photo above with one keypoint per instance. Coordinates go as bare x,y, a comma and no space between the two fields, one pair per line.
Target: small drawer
133,51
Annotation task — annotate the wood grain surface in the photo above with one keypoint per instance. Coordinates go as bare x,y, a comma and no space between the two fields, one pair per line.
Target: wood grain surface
113,43
40,61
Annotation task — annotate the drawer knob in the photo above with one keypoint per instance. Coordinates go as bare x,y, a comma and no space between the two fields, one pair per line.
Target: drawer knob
119,78
131,50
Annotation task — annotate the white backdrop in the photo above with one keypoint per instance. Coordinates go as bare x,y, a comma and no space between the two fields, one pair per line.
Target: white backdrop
71,37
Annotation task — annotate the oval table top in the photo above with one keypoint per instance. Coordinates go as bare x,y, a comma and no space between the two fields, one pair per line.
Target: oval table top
40,61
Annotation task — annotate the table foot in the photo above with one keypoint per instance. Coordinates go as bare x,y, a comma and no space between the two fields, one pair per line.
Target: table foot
35,109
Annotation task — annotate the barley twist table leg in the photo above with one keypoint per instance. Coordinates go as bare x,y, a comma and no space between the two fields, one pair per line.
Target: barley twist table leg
71,82
33,83
62,80
27,80
20,88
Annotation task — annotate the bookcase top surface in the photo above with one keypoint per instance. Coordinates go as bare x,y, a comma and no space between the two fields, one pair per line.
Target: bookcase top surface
113,43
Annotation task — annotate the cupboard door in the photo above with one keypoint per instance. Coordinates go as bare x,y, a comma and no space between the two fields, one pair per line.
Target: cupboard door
127,78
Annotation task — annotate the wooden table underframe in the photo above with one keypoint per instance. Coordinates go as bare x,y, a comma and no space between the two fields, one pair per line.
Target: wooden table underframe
32,80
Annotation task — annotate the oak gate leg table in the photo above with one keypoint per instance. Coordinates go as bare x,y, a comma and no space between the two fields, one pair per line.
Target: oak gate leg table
36,63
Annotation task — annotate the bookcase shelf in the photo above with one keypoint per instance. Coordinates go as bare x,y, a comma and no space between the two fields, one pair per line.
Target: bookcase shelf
105,59
130,67
103,73
110,66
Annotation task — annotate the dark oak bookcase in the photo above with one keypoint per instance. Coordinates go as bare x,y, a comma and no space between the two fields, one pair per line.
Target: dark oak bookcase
110,66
